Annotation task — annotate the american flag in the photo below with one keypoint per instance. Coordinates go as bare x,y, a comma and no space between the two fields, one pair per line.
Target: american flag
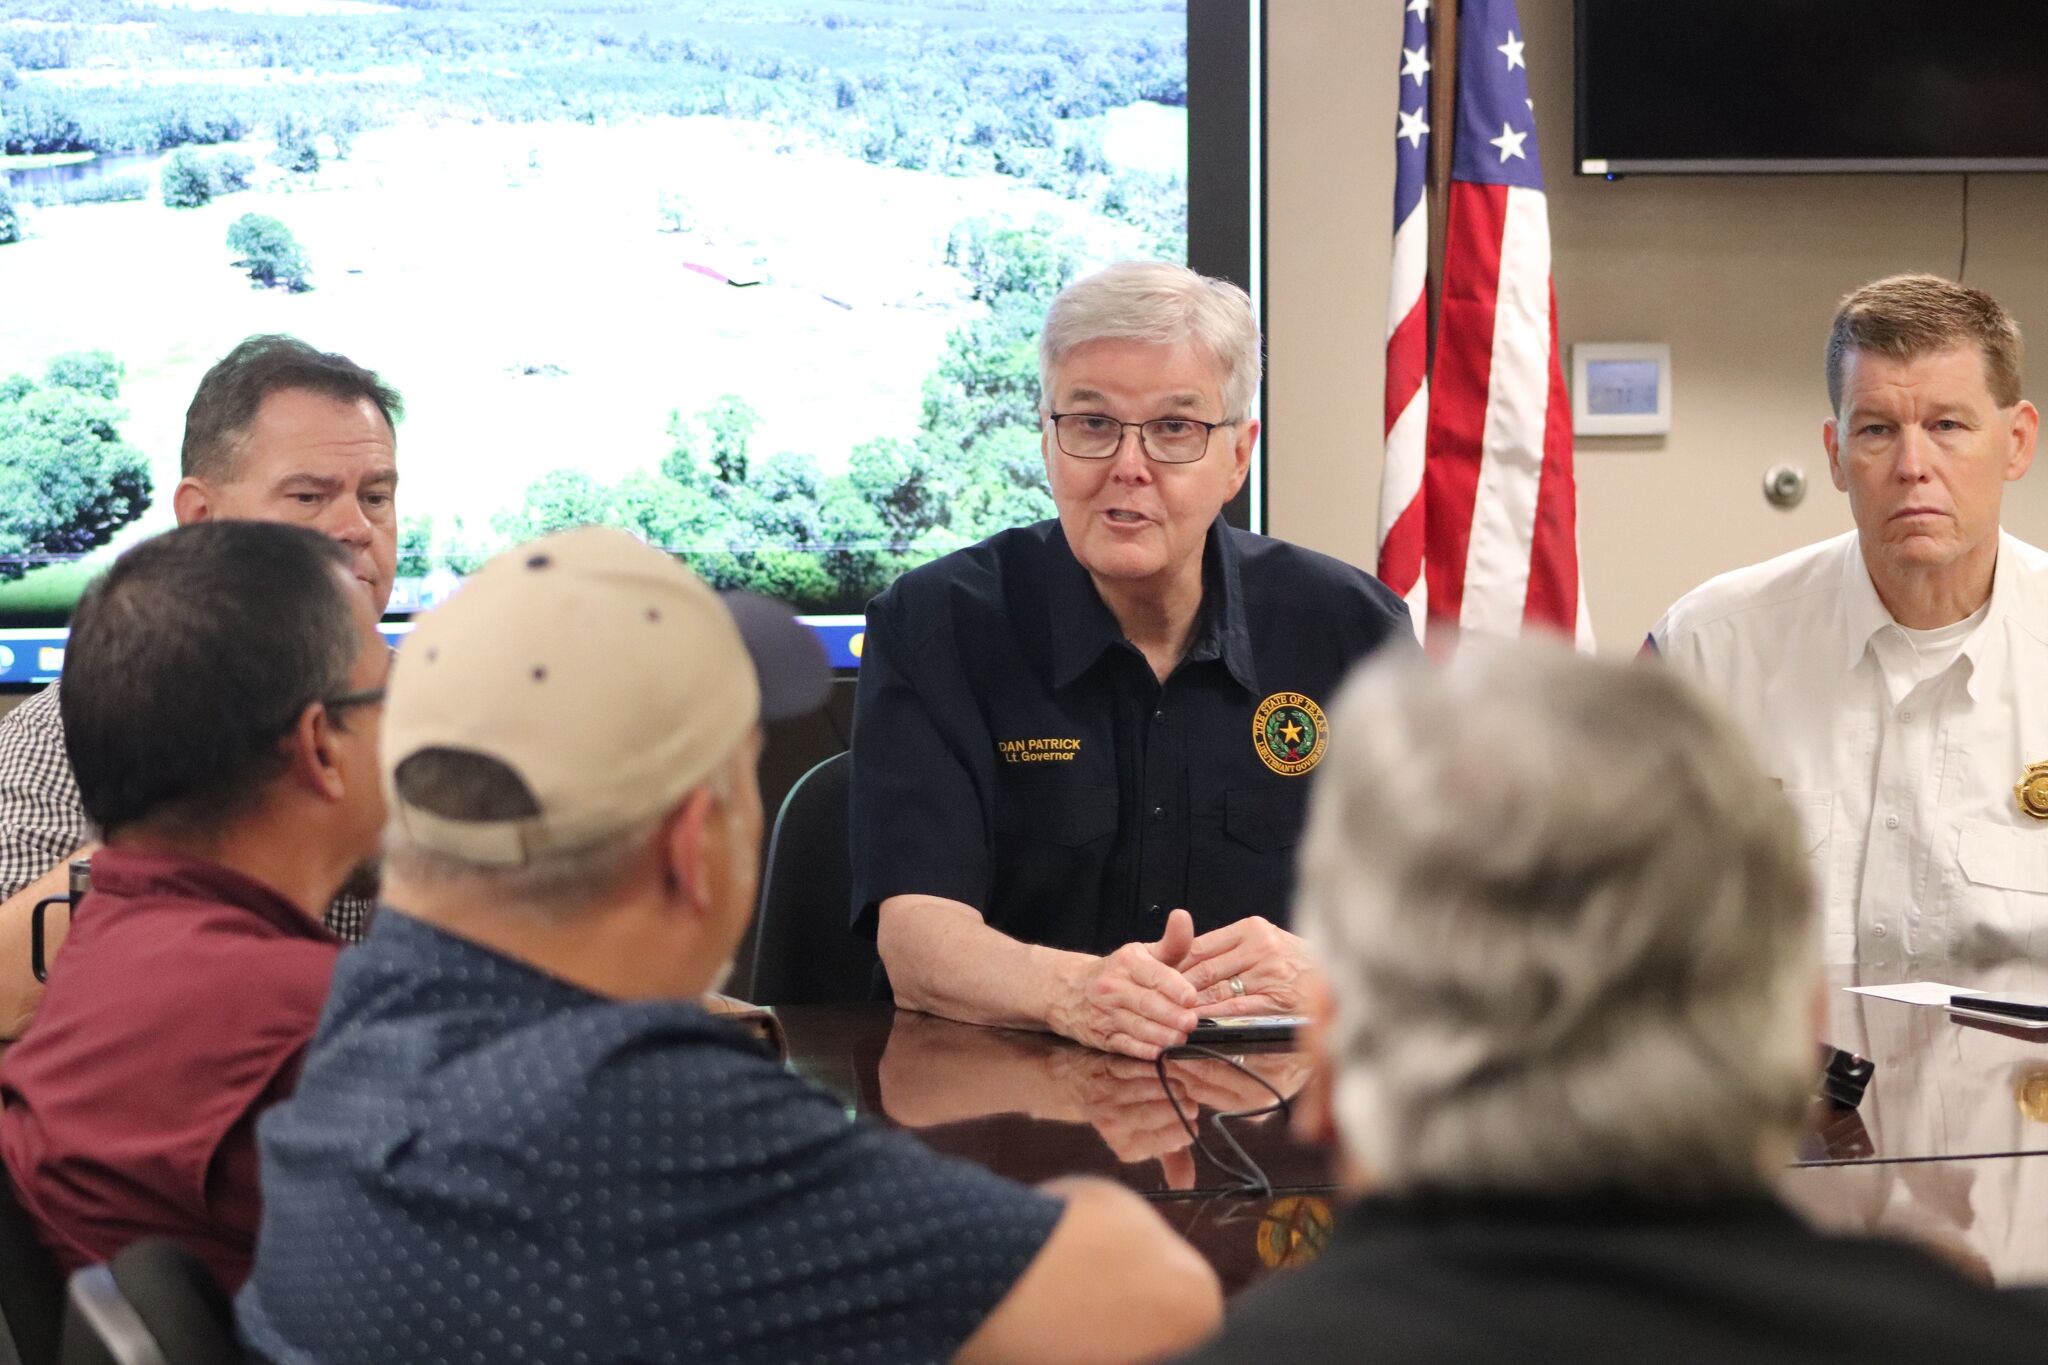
1401,527
1499,507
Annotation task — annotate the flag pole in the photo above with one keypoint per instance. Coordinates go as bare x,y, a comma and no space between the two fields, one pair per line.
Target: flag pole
1443,122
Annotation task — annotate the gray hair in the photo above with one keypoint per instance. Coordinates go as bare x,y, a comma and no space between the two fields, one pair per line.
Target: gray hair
459,784
556,885
1568,928
1162,302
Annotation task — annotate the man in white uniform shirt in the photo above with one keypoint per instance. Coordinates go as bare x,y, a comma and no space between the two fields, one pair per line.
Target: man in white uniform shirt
1896,678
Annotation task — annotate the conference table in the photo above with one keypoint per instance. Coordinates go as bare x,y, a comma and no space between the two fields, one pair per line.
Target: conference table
1948,1147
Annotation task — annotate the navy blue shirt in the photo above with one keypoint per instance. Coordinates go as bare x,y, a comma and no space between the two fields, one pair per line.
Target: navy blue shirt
1013,751
486,1164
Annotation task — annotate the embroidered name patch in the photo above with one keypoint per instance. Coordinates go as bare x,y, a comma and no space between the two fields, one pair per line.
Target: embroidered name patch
1038,750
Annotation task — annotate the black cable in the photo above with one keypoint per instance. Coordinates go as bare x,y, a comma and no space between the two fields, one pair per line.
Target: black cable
1963,260
1251,1177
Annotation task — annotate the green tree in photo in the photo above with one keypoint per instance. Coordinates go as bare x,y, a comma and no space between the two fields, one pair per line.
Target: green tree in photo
415,546
556,501
10,221
673,515
231,173
781,499
187,180
95,372
68,481
269,252
856,547
296,148
731,421
902,483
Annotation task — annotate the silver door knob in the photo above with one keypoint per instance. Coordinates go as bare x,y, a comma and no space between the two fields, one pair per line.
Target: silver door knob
1784,485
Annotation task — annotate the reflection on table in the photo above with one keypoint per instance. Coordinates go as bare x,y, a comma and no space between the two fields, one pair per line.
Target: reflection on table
1945,1087
1985,1214
1927,1156
1042,1107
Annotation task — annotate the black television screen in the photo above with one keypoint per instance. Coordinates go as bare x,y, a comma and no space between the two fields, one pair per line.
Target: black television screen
1690,86
756,282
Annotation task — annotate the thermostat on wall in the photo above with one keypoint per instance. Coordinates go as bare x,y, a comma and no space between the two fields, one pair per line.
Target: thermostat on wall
1621,388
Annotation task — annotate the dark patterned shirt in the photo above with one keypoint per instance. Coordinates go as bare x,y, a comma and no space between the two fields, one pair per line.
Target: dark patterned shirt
483,1163
42,820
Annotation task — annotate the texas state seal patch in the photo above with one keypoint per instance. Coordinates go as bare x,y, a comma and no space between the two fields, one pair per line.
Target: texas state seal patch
1290,733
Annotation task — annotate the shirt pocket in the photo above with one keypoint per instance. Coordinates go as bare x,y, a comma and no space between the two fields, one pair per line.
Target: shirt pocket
1815,812
1070,815
1264,820
2003,890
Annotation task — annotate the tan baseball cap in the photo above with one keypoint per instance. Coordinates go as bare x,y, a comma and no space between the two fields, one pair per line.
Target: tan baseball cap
606,676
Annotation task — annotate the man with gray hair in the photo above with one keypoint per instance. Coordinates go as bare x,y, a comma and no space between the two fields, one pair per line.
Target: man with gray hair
1569,946
1892,676
520,1134
1082,748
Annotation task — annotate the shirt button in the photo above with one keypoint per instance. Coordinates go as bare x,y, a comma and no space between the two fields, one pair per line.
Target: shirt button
1891,822
1159,812
1880,931
1905,715
1157,909
1159,717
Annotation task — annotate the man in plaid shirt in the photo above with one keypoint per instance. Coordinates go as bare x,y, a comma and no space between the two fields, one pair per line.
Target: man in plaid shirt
277,431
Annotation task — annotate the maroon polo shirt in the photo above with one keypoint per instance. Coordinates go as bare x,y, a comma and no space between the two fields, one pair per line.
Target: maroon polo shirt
178,1009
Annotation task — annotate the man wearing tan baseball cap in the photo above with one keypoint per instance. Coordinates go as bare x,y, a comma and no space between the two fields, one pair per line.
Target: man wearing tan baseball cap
519,1134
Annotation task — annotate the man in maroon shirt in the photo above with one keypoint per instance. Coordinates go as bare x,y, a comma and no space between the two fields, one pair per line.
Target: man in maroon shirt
221,697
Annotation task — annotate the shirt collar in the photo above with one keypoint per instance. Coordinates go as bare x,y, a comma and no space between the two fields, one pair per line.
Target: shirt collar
514,989
1083,626
2005,587
1865,614
135,874
1863,611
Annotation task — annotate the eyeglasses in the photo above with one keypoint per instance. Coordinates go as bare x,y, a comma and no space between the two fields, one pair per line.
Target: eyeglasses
1166,440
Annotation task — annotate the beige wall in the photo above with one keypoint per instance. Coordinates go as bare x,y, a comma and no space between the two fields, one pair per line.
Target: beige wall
1738,274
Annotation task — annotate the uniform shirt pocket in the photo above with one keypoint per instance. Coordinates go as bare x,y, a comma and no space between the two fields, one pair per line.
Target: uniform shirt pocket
2001,904
2000,856
1264,820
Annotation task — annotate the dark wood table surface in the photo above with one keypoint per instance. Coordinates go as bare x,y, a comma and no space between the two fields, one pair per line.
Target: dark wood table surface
1950,1144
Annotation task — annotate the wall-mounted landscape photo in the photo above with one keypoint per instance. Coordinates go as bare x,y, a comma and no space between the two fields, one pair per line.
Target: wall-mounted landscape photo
759,282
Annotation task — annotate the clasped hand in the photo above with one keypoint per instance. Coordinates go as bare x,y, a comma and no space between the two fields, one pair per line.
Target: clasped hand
1146,997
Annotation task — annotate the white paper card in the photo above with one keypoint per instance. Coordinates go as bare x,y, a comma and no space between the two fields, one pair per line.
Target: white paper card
1913,992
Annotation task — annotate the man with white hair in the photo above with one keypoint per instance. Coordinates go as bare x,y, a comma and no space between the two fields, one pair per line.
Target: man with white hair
1570,956
1082,748
520,1136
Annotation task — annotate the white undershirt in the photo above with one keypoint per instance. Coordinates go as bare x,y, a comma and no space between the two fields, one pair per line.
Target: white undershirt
1938,648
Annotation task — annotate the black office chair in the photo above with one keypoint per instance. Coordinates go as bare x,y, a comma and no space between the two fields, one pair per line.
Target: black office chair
804,951
31,1289
154,1304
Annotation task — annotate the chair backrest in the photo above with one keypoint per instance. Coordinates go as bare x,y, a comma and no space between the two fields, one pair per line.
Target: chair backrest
154,1304
805,951
31,1288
